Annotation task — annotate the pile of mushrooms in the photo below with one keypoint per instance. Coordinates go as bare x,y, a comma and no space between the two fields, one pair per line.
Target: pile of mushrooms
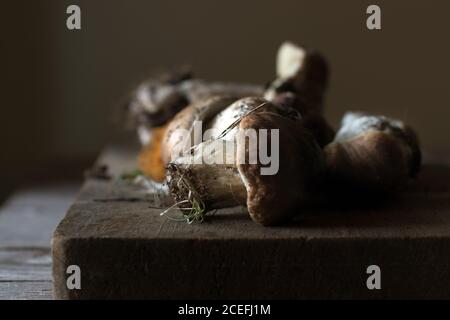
369,152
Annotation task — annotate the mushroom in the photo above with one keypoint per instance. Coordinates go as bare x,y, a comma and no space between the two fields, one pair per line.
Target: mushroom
195,181
272,199
181,133
315,122
303,72
302,78
150,161
373,153
154,102
172,139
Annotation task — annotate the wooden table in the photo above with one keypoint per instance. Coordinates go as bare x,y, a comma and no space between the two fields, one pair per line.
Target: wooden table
125,249
27,221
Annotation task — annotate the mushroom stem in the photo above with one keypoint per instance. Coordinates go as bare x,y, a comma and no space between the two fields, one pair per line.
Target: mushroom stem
303,72
210,178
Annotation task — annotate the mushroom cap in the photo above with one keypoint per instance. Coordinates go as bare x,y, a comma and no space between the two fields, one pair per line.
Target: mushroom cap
156,101
240,108
274,198
149,159
373,161
357,123
175,135
312,120
197,89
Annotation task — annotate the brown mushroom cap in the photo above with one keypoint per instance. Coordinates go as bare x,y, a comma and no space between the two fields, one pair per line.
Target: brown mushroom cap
203,111
357,123
274,198
150,160
154,102
372,153
240,108
312,120
373,160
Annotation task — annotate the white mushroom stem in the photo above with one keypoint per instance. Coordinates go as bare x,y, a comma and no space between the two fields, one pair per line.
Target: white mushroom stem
303,72
209,175
290,59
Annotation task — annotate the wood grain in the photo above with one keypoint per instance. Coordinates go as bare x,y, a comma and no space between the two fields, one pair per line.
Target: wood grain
27,220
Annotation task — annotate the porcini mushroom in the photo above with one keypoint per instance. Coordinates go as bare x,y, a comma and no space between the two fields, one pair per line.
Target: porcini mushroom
154,102
315,122
302,78
181,134
269,198
372,152
303,72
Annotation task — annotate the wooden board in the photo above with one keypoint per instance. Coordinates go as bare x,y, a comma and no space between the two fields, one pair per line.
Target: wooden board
125,249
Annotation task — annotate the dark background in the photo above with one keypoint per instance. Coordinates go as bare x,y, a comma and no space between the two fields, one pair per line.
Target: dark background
60,88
